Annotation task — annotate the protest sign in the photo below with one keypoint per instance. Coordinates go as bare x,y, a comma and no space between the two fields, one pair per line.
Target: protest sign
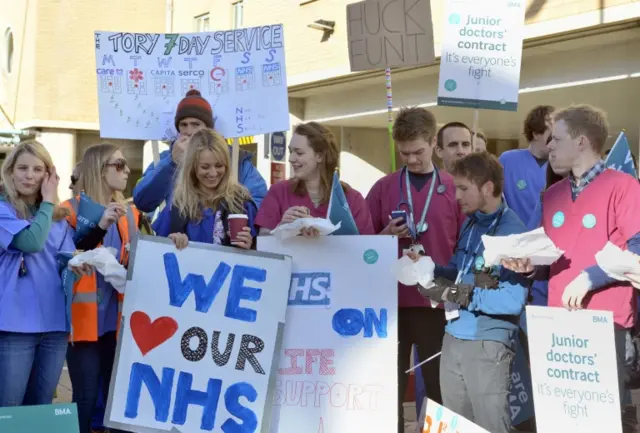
387,33
52,418
338,362
573,370
435,418
481,54
201,330
143,76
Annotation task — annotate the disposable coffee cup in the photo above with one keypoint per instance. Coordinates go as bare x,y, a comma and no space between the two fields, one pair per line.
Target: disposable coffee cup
236,223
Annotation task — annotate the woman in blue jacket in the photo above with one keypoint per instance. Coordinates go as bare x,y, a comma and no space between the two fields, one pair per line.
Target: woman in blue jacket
156,185
205,195
33,325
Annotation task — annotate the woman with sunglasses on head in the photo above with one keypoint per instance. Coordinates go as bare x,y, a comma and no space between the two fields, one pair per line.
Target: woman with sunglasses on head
33,325
206,197
96,306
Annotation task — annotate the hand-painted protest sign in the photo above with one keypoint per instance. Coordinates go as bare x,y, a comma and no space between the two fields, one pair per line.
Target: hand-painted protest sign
143,76
201,331
436,418
338,363
481,54
620,157
387,33
52,418
573,370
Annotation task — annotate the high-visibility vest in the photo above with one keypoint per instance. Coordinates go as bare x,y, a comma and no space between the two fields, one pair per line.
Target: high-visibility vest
84,305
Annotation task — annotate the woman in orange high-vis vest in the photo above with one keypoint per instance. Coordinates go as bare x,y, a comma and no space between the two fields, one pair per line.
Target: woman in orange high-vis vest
96,305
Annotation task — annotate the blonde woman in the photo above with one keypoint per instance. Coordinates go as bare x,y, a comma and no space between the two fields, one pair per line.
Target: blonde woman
205,196
96,306
33,229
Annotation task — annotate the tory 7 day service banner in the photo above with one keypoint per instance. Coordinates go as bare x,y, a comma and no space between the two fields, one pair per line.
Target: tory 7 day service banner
338,363
201,330
143,76
482,54
573,370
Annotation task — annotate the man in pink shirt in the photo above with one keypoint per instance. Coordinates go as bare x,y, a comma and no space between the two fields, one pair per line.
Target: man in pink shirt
428,196
581,213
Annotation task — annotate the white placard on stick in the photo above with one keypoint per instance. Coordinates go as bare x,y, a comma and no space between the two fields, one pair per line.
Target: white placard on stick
437,418
574,373
389,33
338,363
482,54
200,339
143,76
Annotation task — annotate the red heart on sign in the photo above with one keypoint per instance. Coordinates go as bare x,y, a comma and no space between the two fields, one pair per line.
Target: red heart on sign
149,335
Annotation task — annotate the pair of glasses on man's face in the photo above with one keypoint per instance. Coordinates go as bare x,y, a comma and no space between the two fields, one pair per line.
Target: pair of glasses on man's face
119,164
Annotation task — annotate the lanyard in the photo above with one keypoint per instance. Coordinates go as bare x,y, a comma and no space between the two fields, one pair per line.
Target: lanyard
466,266
421,227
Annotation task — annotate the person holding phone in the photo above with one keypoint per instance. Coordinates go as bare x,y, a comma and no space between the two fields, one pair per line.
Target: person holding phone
208,205
418,205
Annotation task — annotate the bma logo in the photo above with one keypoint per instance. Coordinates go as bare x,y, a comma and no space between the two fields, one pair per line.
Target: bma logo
310,288
64,411
600,319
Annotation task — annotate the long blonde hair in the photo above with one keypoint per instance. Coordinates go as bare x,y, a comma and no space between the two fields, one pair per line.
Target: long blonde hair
188,198
8,188
92,169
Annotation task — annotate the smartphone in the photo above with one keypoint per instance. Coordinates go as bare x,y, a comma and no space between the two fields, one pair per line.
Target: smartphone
399,214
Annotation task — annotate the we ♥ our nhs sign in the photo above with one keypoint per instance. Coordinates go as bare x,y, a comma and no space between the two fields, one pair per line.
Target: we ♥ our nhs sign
200,331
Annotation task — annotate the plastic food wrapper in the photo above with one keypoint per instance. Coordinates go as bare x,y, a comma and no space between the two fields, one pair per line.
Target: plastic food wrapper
617,262
104,261
290,230
534,245
411,273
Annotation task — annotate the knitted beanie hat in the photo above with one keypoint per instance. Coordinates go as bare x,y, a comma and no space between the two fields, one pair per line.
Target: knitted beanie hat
194,105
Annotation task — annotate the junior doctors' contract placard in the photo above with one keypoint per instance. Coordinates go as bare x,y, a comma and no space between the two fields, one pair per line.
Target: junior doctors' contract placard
573,370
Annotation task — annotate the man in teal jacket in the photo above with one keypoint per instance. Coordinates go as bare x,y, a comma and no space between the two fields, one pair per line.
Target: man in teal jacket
483,304
156,184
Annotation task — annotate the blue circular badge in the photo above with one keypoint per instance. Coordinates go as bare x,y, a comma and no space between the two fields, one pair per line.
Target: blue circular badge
370,256
441,189
479,263
589,221
521,184
558,219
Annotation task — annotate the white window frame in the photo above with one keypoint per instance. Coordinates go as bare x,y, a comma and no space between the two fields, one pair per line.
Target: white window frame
202,23
238,14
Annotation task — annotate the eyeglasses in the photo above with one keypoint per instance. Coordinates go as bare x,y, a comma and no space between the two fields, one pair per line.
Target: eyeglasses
119,164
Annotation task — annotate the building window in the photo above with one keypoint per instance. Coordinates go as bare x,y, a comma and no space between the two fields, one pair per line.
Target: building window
202,23
237,14
7,61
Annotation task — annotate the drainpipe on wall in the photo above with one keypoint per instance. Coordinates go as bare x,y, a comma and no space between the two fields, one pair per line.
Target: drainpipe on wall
168,24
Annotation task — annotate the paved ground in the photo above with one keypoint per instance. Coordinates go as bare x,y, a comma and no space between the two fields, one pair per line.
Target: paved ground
64,395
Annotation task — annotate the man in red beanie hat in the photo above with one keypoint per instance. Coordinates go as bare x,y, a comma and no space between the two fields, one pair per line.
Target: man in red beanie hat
156,185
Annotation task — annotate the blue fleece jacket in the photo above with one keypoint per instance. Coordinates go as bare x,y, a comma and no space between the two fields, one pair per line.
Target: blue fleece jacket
156,184
493,314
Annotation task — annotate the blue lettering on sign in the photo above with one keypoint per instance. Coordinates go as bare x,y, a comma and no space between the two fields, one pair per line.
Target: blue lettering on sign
272,67
205,294
244,70
271,57
313,288
246,58
349,322
160,392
